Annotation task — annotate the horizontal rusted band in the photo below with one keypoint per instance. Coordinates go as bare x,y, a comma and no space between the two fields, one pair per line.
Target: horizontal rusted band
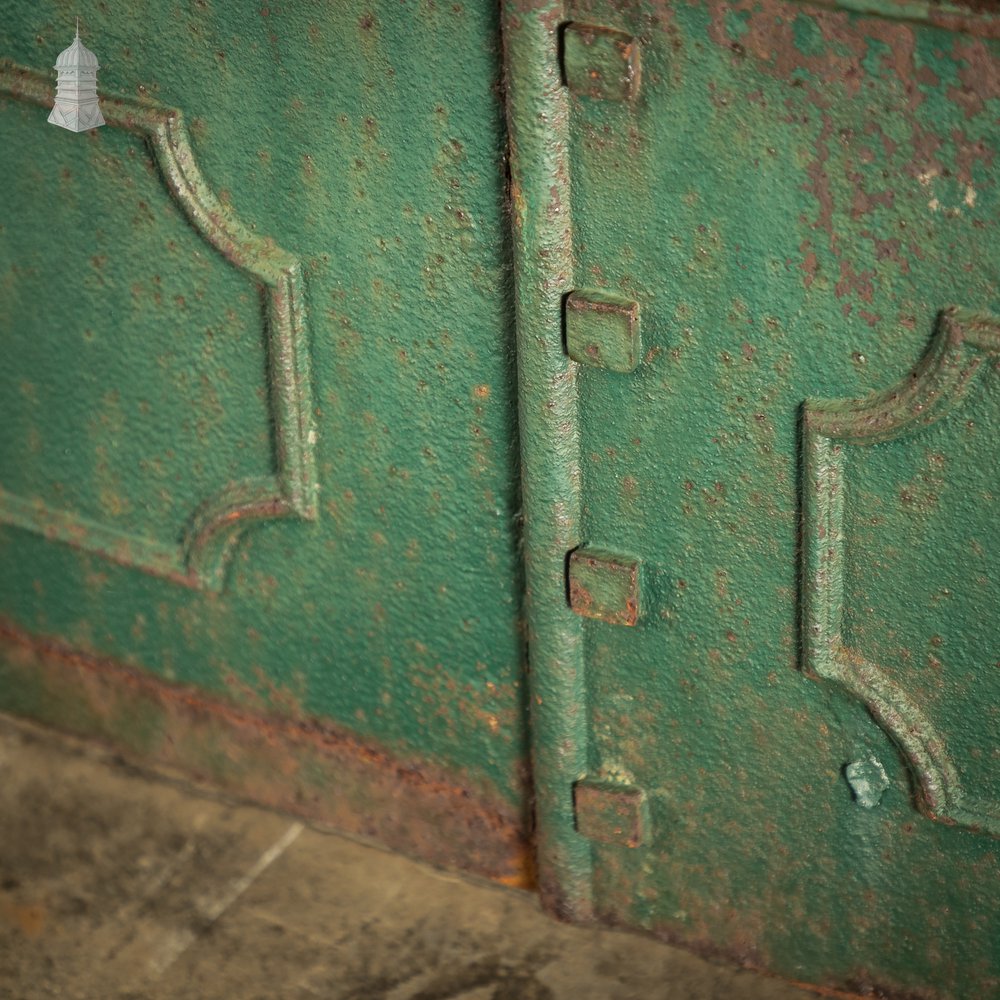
308,768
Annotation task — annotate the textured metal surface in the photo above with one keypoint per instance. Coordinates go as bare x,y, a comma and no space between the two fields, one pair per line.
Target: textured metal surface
275,284
605,585
600,62
603,330
611,812
795,197
213,528
945,760
300,303
538,120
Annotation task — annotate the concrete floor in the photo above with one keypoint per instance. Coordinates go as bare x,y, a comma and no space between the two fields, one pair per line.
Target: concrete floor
119,884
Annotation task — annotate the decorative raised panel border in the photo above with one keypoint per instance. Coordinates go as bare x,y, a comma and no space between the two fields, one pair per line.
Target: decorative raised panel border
958,16
961,342
201,558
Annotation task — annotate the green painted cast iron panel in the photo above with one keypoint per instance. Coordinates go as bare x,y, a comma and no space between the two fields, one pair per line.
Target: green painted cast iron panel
795,197
258,428
263,433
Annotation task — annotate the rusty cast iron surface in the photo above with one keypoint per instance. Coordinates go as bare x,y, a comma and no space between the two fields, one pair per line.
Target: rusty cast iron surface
801,202
313,769
330,359
258,431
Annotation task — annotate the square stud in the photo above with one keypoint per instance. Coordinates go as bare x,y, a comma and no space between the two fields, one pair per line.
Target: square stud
603,330
605,586
611,813
600,62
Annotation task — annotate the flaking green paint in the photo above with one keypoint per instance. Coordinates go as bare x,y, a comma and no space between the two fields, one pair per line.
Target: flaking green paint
135,382
794,196
793,222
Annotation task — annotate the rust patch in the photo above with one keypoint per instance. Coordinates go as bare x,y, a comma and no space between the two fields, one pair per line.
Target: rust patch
309,768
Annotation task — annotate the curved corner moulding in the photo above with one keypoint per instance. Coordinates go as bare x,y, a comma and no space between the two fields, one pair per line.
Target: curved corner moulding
200,558
962,342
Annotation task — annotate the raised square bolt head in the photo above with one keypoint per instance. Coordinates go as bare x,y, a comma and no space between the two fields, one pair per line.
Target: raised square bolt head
600,62
611,813
602,329
605,586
